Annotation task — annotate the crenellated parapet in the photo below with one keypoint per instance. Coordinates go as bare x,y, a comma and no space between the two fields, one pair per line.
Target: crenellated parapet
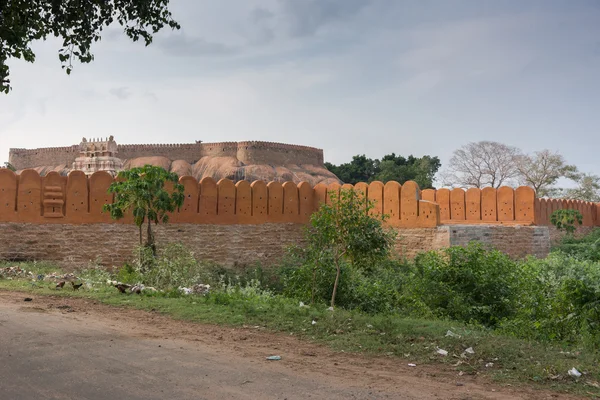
248,152
79,199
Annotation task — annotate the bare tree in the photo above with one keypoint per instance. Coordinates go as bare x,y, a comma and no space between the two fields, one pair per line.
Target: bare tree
542,169
588,188
481,164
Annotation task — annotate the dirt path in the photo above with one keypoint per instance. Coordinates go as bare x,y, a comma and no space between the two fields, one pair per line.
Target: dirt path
66,348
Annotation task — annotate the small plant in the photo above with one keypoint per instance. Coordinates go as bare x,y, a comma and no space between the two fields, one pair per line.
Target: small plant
143,191
344,233
565,220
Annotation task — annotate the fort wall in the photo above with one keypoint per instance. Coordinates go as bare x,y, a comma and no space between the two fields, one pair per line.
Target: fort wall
60,218
248,152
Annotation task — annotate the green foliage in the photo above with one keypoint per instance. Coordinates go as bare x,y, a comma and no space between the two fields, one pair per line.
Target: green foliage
142,190
78,24
564,220
586,247
172,267
9,166
559,301
344,232
469,284
391,168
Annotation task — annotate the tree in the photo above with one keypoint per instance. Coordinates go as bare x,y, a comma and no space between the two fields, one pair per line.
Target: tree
397,168
8,165
588,188
391,168
481,164
542,170
79,23
344,229
143,191
360,169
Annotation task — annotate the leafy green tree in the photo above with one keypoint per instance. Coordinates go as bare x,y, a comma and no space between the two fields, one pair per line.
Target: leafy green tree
142,190
397,168
344,230
390,168
8,165
360,169
79,23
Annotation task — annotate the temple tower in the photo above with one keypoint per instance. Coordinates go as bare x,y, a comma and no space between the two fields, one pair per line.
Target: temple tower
98,155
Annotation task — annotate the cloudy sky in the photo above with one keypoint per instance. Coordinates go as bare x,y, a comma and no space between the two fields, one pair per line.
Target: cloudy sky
349,76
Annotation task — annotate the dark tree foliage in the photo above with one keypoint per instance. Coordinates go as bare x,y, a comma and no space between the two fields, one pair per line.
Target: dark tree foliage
390,168
79,23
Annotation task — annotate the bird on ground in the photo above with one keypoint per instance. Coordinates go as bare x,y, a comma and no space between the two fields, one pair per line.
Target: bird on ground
76,287
60,284
137,289
122,287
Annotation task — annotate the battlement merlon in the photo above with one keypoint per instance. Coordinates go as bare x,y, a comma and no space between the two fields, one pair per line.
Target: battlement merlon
249,152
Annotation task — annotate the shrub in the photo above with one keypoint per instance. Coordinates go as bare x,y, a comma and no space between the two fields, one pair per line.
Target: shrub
559,301
565,220
343,233
174,266
584,248
374,290
469,284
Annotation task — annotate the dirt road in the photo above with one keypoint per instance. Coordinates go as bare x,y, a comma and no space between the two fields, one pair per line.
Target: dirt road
56,348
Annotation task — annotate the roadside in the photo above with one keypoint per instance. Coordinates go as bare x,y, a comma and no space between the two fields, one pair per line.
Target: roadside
76,348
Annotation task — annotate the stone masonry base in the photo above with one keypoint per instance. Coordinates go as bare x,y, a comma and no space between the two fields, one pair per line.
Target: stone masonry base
74,246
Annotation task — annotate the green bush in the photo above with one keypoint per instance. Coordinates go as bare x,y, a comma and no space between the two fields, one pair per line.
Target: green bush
373,290
469,284
559,300
174,266
584,248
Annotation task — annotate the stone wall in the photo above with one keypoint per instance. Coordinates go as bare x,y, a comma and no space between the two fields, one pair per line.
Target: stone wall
55,156
235,246
74,246
517,241
247,152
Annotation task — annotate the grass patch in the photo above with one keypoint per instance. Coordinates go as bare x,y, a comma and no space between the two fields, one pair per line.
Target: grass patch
503,358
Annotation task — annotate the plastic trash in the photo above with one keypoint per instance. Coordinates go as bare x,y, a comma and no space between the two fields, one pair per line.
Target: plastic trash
412,365
452,334
442,352
274,358
470,351
330,309
314,322
185,290
574,373
489,365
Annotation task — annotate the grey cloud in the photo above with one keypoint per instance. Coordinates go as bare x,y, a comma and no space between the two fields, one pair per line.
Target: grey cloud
307,17
121,93
260,31
260,14
182,45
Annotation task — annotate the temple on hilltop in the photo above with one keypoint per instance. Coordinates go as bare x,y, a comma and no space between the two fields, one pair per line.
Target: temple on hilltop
98,155
237,161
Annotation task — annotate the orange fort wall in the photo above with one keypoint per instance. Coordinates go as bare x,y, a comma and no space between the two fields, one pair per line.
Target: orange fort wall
78,199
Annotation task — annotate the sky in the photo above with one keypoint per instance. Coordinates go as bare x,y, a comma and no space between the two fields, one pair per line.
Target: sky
373,77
